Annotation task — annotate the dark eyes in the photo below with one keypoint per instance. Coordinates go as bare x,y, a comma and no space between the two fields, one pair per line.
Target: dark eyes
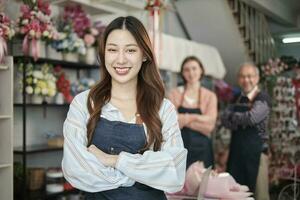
131,50
111,50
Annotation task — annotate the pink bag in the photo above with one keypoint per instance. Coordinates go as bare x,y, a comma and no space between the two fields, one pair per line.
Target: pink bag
193,178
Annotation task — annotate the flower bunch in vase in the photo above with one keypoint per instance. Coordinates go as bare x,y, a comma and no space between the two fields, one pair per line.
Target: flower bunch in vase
82,85
35,25
73,24
6,33
69,44
91,39
84,28
40,82
63,86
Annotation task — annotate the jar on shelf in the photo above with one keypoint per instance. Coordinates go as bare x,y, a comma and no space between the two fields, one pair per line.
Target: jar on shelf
54,180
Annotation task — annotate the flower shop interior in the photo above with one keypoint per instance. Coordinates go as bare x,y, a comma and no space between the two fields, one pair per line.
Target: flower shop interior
48,54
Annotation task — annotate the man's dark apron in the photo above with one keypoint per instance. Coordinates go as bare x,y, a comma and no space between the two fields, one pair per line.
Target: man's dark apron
112,137
245,150
199,146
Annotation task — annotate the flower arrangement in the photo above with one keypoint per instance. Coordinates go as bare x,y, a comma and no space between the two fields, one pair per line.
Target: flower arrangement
6,33
69,42
63,84
75,15
82,85
35,24
82,24
40,82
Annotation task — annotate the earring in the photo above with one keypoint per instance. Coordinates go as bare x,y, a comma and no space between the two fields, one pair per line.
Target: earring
144,59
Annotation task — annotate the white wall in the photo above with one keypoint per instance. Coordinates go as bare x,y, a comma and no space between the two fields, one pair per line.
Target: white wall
211,22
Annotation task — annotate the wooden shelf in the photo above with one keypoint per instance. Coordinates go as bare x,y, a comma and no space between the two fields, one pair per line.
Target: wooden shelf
3,67
5,165
62,63
42,105
6,127
36,149
5,116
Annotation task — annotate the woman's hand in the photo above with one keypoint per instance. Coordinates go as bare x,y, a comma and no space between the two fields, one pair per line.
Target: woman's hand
106,159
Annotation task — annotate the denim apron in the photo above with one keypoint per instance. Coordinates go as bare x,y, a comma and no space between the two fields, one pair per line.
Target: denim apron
245,150
112,137
199,146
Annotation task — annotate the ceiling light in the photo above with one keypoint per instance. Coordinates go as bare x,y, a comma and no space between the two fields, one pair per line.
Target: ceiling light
291,40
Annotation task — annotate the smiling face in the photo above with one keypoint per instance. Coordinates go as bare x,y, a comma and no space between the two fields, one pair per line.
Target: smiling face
192,72
248,78
123,56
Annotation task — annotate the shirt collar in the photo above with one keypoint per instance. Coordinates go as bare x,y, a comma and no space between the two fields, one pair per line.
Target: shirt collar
109,108
251,94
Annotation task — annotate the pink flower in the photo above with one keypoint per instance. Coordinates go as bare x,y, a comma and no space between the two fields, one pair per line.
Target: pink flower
89,39
44,7
25,9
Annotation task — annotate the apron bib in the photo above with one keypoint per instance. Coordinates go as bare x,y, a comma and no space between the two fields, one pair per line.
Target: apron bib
199,146
245,150
112,137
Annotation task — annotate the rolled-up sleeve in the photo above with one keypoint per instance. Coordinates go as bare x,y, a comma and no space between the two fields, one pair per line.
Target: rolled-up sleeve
164,169
258,112
81,168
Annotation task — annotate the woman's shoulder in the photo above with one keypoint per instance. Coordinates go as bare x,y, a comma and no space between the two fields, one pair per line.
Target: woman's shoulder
166,107
177,90
81,97
207,93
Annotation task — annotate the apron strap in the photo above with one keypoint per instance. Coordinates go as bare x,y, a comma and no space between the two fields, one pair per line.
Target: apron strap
138,119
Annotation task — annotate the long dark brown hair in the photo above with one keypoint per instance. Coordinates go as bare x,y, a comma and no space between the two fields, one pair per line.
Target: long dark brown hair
150,89
188,59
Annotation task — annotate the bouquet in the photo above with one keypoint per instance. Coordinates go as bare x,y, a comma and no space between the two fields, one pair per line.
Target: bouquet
41,81
6,33
82,85
82,24
35,24
69,42
63,84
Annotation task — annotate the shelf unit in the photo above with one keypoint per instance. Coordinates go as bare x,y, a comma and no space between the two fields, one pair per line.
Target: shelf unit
36,149
26,150
43,104
6,127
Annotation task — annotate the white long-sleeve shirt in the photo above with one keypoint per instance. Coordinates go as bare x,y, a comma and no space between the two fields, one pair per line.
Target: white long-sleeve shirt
163,170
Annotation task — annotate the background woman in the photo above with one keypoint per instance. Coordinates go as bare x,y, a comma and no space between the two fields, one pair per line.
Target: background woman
197,108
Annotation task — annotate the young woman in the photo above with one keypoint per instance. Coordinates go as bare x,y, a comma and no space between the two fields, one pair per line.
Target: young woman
122,138
197,108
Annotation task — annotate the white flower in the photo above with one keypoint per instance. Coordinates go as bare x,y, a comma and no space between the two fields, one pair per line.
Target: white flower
38,74
52,93
44,91
32,33
37,90
25,21
29,90
51,84
46,33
